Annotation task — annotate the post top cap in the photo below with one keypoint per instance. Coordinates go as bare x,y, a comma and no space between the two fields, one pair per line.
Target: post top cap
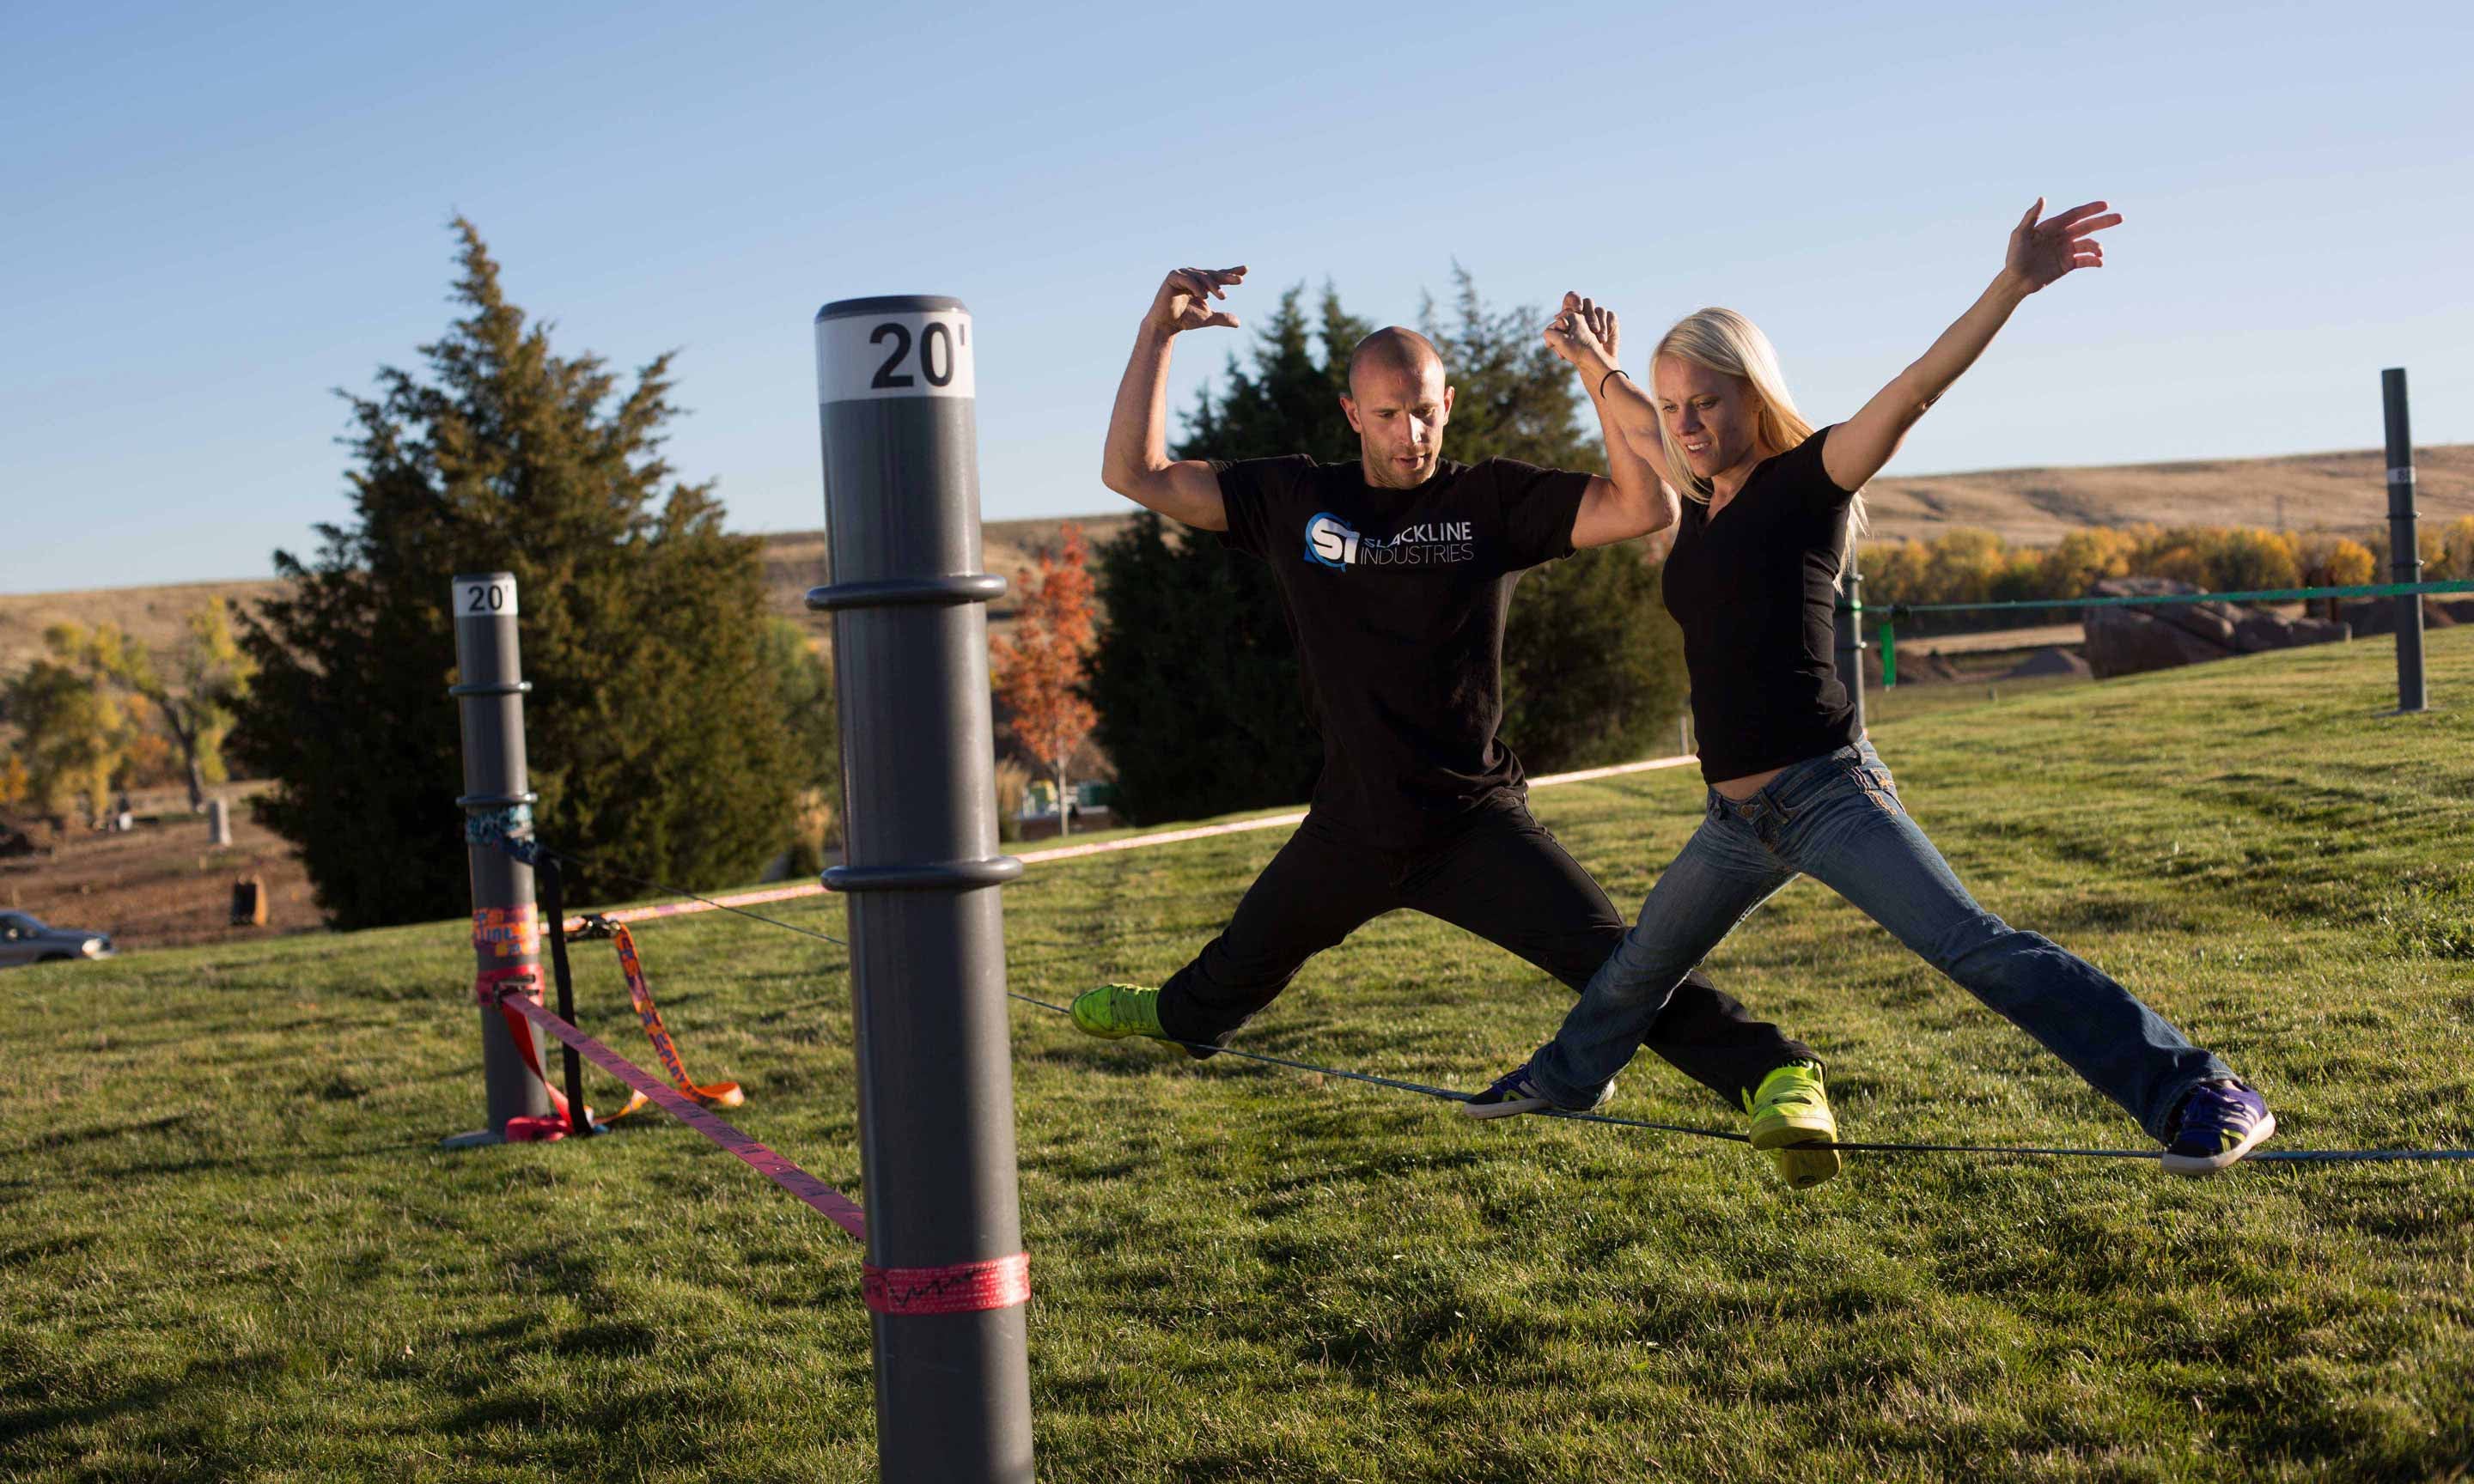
890,304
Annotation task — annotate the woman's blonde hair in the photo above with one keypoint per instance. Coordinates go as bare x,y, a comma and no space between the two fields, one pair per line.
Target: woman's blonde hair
1733,346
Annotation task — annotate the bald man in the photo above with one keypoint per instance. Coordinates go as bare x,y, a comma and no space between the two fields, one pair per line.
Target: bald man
1396,571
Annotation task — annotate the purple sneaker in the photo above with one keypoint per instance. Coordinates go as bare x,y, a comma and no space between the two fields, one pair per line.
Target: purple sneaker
1514,1092
2218,1122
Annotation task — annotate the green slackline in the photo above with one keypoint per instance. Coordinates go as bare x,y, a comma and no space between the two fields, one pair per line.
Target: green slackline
2268,595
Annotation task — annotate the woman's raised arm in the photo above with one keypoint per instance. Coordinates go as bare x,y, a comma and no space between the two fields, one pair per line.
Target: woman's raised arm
2041,252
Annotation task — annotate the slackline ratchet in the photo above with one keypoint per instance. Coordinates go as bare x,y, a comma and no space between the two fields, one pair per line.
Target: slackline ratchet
499,986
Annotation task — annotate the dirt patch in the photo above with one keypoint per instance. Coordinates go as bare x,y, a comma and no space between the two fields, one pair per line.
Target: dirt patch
160,885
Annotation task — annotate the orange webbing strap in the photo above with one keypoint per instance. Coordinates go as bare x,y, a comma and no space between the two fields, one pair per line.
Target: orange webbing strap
640,994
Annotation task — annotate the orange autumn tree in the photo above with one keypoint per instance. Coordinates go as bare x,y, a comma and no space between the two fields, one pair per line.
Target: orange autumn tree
1038,674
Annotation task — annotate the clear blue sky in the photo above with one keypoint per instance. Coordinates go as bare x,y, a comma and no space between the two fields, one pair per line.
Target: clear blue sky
213,214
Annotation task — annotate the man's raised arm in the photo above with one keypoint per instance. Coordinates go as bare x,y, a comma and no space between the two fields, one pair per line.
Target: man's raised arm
1136,464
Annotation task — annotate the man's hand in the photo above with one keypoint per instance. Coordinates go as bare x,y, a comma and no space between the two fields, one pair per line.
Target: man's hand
1135,464
2041,252
1584,333
1184,299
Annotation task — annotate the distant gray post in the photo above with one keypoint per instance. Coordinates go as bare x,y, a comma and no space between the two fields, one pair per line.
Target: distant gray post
2405,553
507,925
1850,634
219,821
946,1274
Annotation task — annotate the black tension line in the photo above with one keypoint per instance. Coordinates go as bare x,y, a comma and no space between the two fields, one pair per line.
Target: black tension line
551,880
1447,1095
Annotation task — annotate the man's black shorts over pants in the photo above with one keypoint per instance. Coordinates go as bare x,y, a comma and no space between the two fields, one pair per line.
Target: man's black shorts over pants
1500,875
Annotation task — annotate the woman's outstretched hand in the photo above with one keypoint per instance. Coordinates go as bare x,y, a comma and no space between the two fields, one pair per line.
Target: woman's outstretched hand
2043,252
1583,332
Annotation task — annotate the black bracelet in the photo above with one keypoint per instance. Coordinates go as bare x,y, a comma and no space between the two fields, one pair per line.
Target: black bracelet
1610,376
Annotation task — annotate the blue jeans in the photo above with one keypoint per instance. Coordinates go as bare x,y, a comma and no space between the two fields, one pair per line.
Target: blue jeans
1837,818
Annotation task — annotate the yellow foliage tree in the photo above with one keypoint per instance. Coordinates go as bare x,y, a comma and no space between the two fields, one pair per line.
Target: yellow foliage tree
188,698
2083,559
73,737
1962,565
2243,560
2457,548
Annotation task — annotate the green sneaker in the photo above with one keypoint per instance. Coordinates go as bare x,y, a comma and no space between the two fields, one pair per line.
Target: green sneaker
1117,1010
1791,1112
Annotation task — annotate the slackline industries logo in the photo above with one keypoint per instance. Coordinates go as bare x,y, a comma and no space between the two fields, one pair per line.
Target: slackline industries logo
1332,543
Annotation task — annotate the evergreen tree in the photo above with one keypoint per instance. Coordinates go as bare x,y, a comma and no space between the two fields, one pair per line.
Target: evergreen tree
659,740
1511,399
805,682
806,686
1593,665
1196,675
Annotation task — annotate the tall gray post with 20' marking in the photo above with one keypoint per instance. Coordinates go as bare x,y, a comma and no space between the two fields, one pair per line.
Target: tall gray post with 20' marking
507,925
2405,552
946,1274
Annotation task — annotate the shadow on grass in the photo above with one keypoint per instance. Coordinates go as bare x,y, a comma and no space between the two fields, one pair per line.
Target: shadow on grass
150,1400
47,1247
298,1159
64,1138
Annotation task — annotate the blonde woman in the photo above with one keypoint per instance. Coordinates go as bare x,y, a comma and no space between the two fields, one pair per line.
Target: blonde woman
1794,787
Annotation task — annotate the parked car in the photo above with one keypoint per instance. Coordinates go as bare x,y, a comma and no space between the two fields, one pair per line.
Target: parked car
26,939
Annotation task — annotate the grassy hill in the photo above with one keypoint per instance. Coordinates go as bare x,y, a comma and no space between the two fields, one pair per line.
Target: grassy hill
2035,506
2342,492
232,1249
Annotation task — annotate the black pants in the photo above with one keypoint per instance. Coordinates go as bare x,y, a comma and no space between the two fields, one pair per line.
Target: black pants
1501,876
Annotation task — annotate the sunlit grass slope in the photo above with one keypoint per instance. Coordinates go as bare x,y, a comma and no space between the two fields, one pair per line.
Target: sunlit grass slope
230,1247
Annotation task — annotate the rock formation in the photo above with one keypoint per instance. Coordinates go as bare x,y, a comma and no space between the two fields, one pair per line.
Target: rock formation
2127,641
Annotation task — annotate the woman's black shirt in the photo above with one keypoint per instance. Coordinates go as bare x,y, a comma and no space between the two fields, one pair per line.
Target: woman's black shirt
1755,589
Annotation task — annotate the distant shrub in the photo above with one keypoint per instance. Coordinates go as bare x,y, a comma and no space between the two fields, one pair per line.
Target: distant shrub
2456,561
2334,561
1965,565
1013,786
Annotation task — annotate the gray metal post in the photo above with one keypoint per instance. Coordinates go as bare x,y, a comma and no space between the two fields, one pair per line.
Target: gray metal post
506,924
2405,554
947,1277
1850,636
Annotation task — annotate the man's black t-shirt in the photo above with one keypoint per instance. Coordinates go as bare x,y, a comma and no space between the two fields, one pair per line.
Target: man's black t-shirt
1755,589
1397,599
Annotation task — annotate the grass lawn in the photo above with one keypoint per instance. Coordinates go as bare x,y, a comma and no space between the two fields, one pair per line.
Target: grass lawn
230,1248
